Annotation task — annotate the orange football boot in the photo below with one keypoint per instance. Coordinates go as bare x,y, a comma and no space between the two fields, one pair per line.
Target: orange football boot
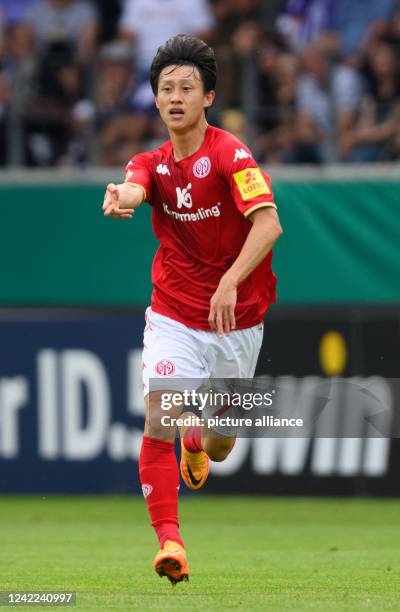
194,466
171,561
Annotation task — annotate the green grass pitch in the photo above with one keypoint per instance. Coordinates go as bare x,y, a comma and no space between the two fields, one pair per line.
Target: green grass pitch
244,553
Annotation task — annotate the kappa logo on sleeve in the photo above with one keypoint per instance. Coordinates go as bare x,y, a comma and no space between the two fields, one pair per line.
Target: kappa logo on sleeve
241,154
129,171
163,169
251,183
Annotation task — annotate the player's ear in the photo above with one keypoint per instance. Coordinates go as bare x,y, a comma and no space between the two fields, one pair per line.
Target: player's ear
156,102
209,98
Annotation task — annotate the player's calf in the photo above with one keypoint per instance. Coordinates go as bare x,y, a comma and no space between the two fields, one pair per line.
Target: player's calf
155,427
218,448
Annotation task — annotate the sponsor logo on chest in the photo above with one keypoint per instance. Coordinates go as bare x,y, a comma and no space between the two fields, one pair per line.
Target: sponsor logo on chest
184,200
183,197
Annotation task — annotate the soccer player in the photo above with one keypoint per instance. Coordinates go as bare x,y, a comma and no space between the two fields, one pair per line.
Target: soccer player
215,218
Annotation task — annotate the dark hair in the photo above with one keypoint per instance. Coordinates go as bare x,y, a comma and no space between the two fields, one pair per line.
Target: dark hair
184,50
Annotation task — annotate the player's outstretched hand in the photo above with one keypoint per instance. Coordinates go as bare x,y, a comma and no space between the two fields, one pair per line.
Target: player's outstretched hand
222,308
111,204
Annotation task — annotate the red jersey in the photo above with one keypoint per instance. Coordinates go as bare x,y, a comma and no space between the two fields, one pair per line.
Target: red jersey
200,209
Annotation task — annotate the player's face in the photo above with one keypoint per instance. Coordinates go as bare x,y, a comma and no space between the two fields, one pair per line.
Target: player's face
180,97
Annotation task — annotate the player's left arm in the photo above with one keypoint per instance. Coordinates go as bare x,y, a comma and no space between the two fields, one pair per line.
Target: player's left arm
264,233
251,189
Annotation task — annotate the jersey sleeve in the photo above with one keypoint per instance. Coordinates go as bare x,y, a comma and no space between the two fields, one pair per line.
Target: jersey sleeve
138,172
249,185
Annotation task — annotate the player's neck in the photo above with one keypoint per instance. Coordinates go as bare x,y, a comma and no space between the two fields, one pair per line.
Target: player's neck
187,143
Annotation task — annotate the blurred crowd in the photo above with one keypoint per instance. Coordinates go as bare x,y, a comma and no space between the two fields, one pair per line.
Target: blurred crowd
301,81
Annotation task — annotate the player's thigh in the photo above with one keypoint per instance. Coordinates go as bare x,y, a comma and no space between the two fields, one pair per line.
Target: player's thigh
172,354
236,355
172,363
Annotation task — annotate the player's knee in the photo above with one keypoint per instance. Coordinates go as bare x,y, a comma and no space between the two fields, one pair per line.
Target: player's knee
154,428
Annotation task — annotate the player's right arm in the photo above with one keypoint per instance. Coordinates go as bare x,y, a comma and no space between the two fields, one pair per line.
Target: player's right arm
120,201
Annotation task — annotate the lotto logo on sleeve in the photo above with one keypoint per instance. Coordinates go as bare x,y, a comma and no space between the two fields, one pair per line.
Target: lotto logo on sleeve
251,183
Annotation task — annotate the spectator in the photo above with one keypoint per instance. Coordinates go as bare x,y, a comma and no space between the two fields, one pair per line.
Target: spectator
237,66
48,114
14,11
324,97
15,69
278,86
2,42
70,22
394,31
15,29
235,122
353,20
236,35
149,23
320,86
5,96
393,151
269,12
109,12
303,21
230,14
372,137
124,111
16,37
62,36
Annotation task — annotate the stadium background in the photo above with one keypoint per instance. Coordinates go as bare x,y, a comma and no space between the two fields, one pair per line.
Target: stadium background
313,87
74,286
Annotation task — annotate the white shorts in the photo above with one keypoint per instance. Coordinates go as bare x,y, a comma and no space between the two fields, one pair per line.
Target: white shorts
172,350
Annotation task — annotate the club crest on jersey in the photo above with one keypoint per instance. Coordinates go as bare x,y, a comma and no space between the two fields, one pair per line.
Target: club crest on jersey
162,169
202,167
251,183
165,368
241,154
183,197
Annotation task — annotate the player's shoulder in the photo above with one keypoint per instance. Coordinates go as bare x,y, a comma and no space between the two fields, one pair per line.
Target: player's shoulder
162,150
148,157
224,144
218,136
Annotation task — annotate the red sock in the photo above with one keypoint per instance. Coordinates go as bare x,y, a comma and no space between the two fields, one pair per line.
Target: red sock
159,475
192,439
